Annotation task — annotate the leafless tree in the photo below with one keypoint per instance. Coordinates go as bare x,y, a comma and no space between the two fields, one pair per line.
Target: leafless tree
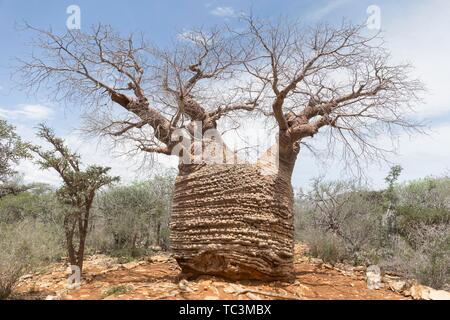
332,79
160,90
345,209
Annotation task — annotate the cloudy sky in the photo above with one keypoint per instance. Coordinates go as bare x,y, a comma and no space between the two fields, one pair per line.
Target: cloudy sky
416,32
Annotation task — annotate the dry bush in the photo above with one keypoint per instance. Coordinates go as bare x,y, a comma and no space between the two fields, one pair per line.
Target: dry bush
11,268
342,221
325,246
430,261
24,246
343,214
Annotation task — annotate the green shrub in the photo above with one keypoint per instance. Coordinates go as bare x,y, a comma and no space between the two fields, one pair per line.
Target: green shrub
129,220
429,192
409,216
38,203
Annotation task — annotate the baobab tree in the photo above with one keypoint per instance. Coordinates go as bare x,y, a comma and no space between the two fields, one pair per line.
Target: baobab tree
230,217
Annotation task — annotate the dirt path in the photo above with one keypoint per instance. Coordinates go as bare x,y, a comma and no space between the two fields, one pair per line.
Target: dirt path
159,278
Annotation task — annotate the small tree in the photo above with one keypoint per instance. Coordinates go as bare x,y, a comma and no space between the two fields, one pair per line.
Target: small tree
78,190
12,149
390,219
391,179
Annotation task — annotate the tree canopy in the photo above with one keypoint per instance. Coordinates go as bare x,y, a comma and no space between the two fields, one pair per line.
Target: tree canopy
12,149
338,80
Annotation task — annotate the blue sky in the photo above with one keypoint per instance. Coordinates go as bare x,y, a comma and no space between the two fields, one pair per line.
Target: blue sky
416,31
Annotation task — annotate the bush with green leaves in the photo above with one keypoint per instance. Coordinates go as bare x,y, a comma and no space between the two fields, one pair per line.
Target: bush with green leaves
39,203
423,202
130,219
429,192
423,255
424,224
325,245
12,149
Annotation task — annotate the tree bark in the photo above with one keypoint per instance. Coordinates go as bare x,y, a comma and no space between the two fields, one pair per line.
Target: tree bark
234,221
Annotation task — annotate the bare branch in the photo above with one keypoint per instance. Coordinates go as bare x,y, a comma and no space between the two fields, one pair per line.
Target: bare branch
331,77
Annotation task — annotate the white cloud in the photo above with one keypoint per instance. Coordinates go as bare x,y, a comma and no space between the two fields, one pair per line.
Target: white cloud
227,12
92,153
189,36
419,36
32,173
28,112
415,33
327,9
419,155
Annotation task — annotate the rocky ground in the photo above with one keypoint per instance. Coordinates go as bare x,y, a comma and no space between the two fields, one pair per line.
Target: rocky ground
158,277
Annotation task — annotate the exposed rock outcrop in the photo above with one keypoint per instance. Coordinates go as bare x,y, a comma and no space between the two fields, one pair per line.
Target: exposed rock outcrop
158,277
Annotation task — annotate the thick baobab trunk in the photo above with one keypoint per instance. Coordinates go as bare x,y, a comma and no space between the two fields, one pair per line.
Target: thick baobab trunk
233,221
